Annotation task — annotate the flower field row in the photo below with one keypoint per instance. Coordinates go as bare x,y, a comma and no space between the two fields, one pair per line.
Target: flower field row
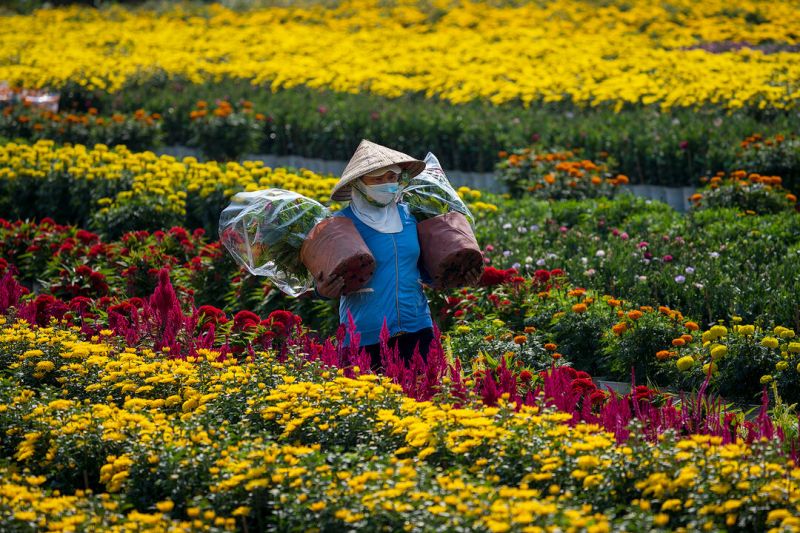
511,317
619,53
136,433
117,190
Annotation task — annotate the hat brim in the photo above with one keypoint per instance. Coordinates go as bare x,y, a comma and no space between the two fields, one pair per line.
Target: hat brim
343,190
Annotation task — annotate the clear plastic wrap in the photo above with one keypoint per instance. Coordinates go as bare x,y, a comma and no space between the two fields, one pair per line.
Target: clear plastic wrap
264,231
430,194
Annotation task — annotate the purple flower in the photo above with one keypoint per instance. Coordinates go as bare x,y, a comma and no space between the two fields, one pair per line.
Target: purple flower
690,270
680,279
506,253
516,265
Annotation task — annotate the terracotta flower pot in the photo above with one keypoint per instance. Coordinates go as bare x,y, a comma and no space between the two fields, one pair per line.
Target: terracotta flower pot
449,249
334,247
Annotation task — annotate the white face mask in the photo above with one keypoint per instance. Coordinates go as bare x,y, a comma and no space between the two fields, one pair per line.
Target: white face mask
384,193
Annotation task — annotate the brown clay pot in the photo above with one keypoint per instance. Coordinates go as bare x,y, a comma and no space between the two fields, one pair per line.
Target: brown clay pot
334,247
449,249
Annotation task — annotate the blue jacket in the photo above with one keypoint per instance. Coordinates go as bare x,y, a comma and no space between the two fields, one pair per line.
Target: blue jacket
394,292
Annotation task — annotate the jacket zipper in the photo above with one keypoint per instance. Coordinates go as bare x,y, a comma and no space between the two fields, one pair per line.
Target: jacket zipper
397,283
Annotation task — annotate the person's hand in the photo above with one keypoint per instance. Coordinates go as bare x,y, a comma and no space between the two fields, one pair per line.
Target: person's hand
332,287
472,277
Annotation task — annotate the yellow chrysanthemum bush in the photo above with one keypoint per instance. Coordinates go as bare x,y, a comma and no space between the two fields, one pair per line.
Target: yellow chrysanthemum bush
262,443
643,53
116,190
741,360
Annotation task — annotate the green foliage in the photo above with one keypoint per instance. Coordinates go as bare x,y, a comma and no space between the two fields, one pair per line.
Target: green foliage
649,146
580,336
634,351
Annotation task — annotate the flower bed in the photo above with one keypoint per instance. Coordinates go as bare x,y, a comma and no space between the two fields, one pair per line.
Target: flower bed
529,42
148,434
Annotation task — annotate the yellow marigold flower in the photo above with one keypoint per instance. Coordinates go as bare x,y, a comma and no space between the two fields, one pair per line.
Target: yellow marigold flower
317,506
718,350
45,366
685,363
769,342
661,519
794,347
766,379
165,506
781,366
747,330
718,331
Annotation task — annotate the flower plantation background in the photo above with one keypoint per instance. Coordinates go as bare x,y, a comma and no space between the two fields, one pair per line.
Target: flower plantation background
148,383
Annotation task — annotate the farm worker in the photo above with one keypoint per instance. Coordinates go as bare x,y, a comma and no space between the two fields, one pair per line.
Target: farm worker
373,183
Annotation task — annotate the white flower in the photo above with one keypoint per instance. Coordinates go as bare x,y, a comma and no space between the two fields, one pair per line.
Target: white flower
528,260
584,260
642,278
714,254
522,229
507,225
600,253
540,262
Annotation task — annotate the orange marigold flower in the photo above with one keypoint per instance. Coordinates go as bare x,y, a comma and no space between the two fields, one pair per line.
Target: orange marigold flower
579,308
664,309
550,347
678,342
619,328
634,315
556,355
663,354
614,303
692,326
577,292
488,338
791,197
646,308
687,338
530,329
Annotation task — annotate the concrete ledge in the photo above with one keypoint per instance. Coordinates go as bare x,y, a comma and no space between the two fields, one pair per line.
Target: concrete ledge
676,197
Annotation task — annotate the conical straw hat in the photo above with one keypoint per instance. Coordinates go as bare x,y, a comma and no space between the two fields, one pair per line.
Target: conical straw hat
368,157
